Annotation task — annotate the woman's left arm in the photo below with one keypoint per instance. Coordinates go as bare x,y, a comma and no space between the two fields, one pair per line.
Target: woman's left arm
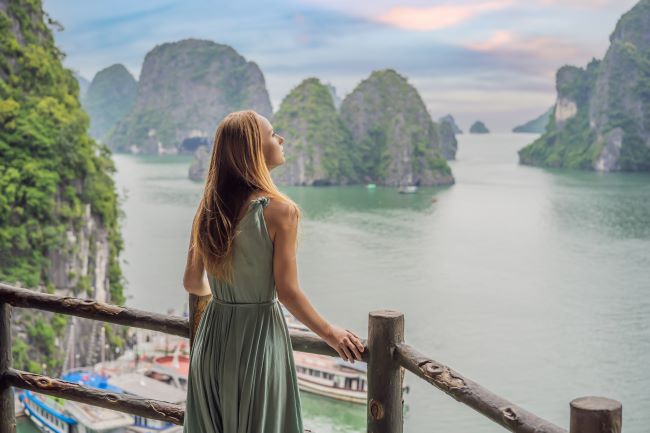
195,279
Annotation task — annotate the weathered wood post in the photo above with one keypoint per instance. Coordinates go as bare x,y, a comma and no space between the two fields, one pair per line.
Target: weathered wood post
596,415
385,330
7,414
197,305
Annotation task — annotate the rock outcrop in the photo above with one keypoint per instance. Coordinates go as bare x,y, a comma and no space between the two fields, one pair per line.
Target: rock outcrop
601,119
109,99
452,122
395,142
199,167
478,127
59,227
185,89
317,146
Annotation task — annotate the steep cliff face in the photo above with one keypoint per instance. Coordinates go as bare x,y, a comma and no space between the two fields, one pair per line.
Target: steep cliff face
602,115
109,98
58,213
395,142
317,144
185,89
537,125
448,142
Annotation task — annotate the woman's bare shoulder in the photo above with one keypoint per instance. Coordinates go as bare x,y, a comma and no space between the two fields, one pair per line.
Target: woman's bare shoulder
280,213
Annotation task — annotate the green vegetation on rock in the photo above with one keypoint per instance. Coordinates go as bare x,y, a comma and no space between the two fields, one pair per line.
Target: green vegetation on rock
317,145
185,89
109,98
51,172
395,142
601,119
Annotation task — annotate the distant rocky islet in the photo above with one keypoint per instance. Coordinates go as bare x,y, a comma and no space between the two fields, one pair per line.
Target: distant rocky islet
478,127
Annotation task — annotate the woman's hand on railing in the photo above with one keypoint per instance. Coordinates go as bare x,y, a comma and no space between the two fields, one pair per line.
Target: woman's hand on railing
345,342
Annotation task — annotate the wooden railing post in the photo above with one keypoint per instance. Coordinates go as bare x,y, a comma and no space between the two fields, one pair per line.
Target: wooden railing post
7,413
385,331
596,415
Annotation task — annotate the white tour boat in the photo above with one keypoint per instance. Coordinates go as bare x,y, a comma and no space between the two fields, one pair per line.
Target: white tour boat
329,376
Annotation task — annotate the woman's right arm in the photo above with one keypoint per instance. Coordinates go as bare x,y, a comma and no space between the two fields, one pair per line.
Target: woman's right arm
283,229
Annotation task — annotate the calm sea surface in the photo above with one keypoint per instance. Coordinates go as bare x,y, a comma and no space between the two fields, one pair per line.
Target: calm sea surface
533,283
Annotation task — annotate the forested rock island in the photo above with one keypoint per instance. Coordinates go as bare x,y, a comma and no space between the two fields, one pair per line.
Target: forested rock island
601,118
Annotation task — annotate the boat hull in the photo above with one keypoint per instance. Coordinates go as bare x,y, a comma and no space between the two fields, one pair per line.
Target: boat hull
331,392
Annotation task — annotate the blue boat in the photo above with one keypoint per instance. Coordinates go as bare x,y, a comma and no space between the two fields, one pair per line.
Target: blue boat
52,415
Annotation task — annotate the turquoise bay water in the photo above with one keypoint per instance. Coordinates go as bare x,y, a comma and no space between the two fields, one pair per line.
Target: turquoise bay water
534,283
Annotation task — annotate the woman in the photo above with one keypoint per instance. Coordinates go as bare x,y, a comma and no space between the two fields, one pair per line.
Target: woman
242,375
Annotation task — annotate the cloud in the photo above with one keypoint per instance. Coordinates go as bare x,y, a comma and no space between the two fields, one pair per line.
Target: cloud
438,17
548,50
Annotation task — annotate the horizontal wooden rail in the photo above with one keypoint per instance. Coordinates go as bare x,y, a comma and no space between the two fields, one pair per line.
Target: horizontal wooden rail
586,412
147,408
174,325
499,410
91,309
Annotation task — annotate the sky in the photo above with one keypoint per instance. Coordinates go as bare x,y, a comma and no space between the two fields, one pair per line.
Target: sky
489,60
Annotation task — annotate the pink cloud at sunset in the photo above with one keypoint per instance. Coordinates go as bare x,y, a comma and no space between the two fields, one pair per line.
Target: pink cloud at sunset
551,49
438,17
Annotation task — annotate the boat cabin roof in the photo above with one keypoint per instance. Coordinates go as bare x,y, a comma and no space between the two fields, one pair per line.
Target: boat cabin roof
145,387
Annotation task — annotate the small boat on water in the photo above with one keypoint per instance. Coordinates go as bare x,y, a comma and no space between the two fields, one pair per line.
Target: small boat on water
408,189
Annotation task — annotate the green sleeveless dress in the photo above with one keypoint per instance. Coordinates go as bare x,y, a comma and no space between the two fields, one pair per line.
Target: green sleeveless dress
242,376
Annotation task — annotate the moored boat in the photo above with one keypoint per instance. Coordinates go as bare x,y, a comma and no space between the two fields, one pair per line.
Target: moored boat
171,369
408,189
331,377
53,416
328,376
144,387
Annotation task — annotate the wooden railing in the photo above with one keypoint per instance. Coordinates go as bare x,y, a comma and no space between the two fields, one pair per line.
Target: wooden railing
386,354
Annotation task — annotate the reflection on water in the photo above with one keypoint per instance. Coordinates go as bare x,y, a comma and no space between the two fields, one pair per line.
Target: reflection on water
532,282
322,414
332,416
613,204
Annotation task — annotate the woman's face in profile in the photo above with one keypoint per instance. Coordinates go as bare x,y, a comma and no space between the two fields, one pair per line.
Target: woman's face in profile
271,143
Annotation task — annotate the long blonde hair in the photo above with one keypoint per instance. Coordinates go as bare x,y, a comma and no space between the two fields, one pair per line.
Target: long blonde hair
237,169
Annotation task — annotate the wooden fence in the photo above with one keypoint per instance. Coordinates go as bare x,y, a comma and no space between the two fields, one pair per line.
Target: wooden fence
386,353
